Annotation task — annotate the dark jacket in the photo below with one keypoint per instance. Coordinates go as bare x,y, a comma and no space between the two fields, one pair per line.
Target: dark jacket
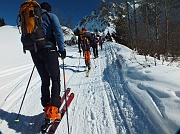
85,44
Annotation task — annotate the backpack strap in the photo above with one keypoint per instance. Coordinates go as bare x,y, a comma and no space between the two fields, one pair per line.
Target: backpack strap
51,40
47,16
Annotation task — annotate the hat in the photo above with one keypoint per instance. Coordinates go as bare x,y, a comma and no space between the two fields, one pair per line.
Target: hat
83,31
46,6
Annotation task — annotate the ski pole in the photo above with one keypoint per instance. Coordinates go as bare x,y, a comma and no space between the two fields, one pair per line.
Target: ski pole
79,61
65,97
17,118
94,63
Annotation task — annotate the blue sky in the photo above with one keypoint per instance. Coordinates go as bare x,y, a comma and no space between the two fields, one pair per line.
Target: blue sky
77,8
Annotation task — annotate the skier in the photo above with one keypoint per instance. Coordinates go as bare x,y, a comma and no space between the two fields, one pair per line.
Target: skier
101,41
47,64
85,45
95,46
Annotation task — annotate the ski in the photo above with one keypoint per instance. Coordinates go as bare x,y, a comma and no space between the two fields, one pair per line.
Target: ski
48,122
65,95
87,73
54,126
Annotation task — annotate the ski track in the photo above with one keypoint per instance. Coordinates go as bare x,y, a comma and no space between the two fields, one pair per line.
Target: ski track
15,84
13,100
131,116
126,110
84,111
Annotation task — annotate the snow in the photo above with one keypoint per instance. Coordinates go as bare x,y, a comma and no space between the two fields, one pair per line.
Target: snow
120,96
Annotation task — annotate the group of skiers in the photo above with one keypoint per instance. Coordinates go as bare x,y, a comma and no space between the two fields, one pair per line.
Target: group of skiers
86,41
45,47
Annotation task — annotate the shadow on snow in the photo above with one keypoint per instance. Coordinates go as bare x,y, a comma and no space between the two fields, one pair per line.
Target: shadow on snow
26,124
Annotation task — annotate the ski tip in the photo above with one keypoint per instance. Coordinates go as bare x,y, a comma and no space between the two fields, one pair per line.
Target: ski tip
72,94
68,90
16,120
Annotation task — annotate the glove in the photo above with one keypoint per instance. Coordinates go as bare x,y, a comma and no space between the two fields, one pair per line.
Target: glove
63,54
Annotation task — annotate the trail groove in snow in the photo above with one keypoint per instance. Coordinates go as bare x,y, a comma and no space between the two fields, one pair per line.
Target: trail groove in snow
126,108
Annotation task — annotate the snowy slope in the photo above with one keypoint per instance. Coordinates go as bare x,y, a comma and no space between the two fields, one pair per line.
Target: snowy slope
120,96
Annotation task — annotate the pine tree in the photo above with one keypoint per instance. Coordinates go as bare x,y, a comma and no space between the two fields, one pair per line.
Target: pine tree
2,22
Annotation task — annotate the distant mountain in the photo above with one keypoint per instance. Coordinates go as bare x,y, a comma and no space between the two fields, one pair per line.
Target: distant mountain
103,19
69,37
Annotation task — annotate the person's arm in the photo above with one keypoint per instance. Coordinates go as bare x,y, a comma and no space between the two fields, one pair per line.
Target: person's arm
58,32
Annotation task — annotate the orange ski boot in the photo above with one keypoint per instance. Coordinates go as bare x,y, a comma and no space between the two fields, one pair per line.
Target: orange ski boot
46,109
53,113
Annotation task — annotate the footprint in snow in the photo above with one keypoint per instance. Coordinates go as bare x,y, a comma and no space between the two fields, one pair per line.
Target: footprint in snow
91,117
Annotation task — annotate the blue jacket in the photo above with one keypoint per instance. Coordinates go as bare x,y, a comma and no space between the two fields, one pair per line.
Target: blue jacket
54,26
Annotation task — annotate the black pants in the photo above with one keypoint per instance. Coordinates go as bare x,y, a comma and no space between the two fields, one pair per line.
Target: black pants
95,50
47,64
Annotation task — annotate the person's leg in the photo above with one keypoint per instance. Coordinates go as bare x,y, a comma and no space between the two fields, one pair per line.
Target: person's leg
44,75
87,60
96,51
48,67
52,64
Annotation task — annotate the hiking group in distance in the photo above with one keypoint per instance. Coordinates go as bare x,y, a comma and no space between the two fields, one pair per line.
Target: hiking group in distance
42,36
86,41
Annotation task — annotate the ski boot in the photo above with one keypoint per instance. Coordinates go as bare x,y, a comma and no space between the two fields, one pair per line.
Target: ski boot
52,113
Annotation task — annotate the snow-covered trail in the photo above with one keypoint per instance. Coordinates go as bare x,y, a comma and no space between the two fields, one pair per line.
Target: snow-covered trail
90,108
104,103
132,112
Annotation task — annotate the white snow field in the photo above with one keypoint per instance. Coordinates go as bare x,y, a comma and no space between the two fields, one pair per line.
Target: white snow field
119,97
